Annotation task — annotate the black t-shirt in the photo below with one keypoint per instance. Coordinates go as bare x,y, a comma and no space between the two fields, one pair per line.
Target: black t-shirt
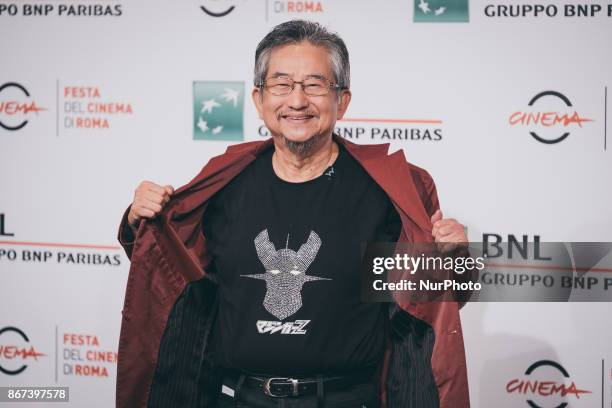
287,257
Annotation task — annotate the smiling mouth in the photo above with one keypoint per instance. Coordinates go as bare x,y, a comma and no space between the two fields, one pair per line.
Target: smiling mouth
297,118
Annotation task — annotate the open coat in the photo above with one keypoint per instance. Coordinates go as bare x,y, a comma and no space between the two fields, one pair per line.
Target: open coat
170,301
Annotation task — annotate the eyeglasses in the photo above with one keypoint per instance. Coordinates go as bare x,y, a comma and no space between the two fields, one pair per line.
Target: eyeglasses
283,86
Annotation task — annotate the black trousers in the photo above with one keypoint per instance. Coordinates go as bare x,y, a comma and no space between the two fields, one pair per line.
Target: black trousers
356,396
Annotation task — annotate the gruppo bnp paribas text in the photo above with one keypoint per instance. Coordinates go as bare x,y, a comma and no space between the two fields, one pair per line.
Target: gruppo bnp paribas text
62,9
430,266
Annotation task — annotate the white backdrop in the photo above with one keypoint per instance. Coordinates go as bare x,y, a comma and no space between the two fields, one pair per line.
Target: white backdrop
64,188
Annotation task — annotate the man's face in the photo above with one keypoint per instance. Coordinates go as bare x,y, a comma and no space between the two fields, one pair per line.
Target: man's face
298,117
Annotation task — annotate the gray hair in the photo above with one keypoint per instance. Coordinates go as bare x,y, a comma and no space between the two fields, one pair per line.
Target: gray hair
297,31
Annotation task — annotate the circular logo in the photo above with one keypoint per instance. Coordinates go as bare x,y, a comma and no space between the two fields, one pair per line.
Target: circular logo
13,105
534,100
550,385
554,110
12,352
216,11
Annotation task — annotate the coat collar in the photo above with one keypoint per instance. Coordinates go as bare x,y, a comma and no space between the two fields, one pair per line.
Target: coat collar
391,172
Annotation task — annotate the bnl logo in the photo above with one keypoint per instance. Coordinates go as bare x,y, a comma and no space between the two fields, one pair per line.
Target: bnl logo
441,11
494,247
3,231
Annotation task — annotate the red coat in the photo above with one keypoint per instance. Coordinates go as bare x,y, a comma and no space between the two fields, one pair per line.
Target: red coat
170,300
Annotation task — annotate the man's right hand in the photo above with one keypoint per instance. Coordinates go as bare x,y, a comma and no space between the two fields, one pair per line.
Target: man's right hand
149,199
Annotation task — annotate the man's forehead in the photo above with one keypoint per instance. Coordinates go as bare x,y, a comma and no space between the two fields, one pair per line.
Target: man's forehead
303,58
279,74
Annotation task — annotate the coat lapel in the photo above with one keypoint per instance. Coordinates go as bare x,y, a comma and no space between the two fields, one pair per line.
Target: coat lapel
181,219
392,174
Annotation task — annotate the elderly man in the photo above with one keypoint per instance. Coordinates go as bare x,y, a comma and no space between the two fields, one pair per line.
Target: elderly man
244,284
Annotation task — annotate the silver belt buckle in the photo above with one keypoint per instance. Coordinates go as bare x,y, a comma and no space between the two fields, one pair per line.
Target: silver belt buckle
268,391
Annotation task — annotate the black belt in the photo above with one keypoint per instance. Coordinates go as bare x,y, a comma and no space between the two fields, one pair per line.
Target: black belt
294,386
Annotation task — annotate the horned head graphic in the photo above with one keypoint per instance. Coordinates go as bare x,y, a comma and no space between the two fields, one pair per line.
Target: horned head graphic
285,273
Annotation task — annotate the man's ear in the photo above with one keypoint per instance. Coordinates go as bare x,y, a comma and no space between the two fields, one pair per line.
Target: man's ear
343,102
257,95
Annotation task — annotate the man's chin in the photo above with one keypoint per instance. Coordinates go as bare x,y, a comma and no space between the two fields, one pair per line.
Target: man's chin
298,138
301,145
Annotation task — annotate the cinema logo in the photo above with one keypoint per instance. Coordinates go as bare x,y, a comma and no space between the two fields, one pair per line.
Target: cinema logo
545,382
16,352
549,118
17,106
87,107
83,356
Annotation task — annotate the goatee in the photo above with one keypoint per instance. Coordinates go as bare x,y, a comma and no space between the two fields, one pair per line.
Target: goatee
302,148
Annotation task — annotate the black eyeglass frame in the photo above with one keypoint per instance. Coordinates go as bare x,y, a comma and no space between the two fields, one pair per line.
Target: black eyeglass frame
331,85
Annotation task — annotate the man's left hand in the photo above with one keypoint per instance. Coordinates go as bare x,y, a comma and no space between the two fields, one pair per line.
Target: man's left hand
447,232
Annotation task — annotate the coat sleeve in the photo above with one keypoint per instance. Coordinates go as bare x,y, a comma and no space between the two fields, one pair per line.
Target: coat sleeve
125,234
429,197
426,188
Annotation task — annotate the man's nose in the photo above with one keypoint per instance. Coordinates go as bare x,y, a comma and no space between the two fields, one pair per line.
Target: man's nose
297,99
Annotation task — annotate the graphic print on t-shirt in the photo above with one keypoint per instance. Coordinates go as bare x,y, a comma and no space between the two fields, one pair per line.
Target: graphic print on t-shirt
345,208
285,273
